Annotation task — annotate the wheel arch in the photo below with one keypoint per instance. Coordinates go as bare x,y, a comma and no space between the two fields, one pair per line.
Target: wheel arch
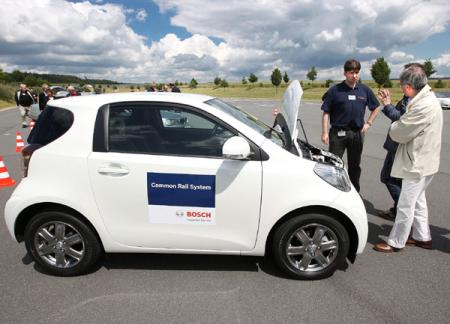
325,210
27,214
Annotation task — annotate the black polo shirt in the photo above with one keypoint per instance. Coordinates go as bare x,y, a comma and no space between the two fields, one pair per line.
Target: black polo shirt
347,106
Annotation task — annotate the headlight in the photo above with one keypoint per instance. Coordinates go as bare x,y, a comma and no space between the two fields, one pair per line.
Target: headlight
337,177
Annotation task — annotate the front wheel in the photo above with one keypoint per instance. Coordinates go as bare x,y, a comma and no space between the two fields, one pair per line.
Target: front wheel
310,246
61,244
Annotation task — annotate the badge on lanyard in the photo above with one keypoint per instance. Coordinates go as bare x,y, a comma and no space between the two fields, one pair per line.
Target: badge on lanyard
351,97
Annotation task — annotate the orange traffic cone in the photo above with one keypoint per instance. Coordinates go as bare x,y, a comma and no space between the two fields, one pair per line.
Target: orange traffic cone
19,142
5,179
275,112
32,124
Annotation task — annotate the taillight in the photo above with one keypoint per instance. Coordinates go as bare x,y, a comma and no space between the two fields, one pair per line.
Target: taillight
27,152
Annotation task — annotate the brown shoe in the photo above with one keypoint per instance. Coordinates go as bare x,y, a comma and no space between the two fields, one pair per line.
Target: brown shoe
386,248
386,213
423,244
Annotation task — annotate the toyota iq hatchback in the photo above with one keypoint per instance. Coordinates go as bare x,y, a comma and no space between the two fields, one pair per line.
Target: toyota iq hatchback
181,173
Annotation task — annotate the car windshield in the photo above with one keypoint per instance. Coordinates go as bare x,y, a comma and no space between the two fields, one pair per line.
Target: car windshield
443,94
248,120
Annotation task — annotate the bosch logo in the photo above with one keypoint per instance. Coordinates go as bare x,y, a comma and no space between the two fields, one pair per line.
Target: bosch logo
179,213
198,214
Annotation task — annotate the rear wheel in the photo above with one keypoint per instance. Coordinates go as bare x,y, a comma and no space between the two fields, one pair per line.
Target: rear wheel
61,244
310,246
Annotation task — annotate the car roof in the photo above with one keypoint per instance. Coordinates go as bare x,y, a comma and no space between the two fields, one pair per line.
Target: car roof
98,100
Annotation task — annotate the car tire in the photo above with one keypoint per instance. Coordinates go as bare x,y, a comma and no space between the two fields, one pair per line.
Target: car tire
310,246
62,244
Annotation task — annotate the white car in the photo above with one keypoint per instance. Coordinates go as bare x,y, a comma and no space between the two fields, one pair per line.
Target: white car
444,99
105,174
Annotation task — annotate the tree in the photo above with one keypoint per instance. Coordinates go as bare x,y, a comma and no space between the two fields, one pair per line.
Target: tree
224,83
4,76
328,82
217,81
32,81
380,72
17,76
193,84
285,78
312,74
429,68
276,78
244,80
252,78
439,84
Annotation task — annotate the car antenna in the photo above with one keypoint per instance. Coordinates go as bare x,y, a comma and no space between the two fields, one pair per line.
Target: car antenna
304,133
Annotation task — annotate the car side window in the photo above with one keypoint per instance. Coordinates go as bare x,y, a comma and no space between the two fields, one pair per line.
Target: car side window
153,129
187,132
133,130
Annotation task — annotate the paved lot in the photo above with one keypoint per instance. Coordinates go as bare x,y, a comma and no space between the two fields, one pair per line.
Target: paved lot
411,286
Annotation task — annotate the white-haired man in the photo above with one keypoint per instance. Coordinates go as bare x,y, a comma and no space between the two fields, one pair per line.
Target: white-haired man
419,133
24,99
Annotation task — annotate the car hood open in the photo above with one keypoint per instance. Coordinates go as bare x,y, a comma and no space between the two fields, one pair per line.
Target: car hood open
286,120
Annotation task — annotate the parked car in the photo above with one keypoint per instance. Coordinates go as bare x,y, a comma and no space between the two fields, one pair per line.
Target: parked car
34,111
55,89
173,119
444,99
61,94
221,182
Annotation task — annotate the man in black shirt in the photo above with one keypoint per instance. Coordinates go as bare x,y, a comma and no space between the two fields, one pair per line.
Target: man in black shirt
345,105
24,99
43,97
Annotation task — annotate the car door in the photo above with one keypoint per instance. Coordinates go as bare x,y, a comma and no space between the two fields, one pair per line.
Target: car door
161,182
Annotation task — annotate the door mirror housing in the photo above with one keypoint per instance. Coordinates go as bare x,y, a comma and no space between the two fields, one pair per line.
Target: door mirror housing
236,148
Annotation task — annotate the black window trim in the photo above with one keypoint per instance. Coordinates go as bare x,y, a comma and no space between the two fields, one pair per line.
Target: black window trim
100,140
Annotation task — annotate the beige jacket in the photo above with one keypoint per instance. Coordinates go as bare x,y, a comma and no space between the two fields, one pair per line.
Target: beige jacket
419,133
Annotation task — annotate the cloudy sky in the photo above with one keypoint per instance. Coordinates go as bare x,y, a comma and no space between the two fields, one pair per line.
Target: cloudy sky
166,40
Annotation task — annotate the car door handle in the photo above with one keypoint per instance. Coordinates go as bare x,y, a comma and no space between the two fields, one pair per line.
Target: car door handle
115,171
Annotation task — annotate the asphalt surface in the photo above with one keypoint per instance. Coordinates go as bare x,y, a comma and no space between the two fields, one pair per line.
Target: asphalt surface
405,287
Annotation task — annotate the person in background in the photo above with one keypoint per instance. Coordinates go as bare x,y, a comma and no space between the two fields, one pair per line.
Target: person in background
174,88
71,91
24,99
43,97
49,94
394,185
419,134
345,105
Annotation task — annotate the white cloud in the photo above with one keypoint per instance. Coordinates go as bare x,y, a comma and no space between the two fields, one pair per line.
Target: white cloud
255,36
327,36
141,15
368,50
399,56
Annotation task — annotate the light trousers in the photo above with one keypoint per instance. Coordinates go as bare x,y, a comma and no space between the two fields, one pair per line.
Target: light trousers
24,111
412,211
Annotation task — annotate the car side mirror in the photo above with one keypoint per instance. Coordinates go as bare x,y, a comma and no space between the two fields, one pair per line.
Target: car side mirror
236,148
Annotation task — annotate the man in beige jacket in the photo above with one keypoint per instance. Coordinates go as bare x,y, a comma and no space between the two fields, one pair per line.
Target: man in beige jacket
418,133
